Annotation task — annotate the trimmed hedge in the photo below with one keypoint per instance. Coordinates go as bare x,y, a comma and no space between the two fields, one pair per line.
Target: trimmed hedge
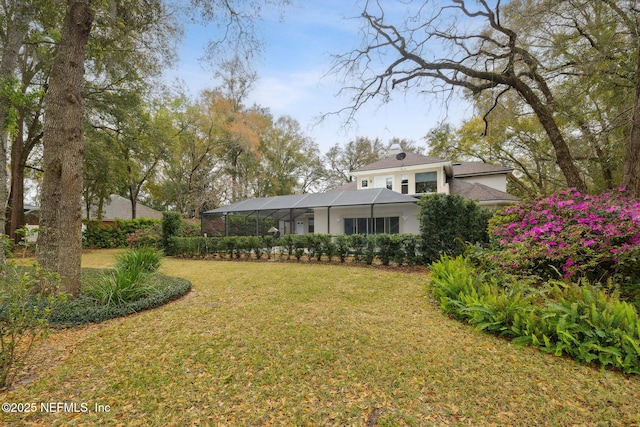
84,308
400,249
171,227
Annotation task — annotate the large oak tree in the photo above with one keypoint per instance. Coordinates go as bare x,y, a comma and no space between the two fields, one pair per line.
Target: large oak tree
543,51
59,243
60,239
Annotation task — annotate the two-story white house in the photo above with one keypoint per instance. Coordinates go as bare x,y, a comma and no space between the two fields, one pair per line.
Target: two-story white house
382,197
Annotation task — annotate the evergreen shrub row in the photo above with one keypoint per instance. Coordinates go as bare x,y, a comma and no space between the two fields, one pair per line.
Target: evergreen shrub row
387,248
447,224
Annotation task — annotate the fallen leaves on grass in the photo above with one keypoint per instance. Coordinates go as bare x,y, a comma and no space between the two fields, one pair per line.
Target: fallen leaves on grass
286,344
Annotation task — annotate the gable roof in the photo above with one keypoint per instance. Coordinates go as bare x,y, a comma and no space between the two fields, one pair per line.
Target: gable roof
479,192
391,162
464,169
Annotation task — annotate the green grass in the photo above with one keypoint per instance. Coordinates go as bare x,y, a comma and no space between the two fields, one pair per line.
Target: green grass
260,343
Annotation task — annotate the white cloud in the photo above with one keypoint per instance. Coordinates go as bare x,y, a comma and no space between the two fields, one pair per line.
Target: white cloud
297,55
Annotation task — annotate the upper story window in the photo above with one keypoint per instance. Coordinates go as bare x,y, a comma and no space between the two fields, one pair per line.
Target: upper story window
390,183
404,184
384,182
364,183
426,182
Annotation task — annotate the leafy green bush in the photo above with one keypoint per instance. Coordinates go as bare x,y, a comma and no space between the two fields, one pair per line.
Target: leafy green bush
256,245
343,247
358,243
287,244
410,245
26,297
171,227
329,247
579,320
269,242
299,245
140,232
390,249
448,222
370,249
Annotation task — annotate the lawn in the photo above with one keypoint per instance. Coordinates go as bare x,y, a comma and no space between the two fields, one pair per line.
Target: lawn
269,343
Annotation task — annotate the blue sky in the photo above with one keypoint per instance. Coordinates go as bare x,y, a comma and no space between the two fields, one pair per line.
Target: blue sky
293,78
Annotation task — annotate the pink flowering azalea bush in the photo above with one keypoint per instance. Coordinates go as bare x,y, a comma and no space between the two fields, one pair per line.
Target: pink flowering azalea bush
571,235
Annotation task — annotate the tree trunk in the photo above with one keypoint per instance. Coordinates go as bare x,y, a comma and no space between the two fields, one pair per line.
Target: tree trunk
60,239
16,195
564,159
631,170
15,33
134,206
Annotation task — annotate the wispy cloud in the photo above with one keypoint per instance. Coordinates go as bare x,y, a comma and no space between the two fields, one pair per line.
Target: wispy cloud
291,73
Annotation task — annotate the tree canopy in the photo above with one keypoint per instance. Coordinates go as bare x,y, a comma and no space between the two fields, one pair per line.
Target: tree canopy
571,64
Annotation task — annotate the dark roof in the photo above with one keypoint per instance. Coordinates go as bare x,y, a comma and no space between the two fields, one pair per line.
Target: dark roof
479,192
391,162
477,168
303,202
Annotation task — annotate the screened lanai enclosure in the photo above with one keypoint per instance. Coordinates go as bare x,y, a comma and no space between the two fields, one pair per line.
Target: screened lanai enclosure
372,211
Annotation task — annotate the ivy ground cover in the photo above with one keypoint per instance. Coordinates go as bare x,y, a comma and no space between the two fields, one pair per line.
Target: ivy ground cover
273,344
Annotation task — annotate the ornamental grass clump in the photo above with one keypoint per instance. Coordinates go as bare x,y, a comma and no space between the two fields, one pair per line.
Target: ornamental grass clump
131,278
571,235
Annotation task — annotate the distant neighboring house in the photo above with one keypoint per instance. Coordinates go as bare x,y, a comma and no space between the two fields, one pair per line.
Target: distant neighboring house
120,207
382,198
